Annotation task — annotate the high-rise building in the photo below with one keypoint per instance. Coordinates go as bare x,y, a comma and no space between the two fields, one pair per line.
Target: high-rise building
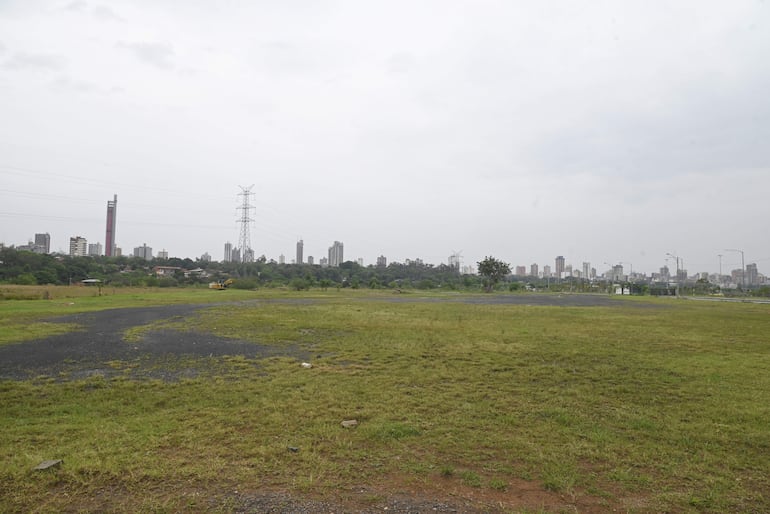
109,238
300,247
521,271
310,259
78,246
235,255
143,252
163,254
533,270
335,254
43,243
559,268
282,259
453,261
382,262
228,252
205,257
752,276
546,271
95,249
587,270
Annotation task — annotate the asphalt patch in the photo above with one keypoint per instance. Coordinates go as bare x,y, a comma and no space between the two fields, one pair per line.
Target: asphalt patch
93,350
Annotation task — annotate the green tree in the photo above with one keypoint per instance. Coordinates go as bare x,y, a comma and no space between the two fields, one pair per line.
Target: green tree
493,271
298,284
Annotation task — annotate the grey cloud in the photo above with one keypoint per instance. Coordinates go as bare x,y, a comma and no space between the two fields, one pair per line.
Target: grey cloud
284,57
706,132
105,13
80,86
35,61
155,54
99,11
401,62
76,6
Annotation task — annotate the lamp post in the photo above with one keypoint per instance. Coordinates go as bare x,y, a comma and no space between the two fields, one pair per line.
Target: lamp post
677,271
743,267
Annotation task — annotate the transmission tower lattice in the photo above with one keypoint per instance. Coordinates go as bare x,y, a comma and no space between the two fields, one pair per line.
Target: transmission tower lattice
455,260
245,209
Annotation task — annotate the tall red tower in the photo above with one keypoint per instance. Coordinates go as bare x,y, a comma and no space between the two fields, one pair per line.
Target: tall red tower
109,239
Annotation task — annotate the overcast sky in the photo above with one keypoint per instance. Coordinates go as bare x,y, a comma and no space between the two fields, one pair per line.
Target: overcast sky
605,131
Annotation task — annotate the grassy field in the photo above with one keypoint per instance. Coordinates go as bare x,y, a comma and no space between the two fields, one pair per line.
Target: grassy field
23,309
649,405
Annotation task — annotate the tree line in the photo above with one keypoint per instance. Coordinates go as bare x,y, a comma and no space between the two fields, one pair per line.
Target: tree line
28,268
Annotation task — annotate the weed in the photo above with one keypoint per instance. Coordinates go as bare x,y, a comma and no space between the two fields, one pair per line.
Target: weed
390,430
471,478
498,485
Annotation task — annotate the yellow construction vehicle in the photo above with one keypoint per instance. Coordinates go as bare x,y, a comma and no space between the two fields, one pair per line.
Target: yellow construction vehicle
221,285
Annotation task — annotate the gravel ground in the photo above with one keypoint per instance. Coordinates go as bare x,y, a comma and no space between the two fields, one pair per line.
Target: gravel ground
281,503
88,352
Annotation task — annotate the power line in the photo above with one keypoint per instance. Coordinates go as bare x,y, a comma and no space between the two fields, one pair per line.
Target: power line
44,195
16,170
124,222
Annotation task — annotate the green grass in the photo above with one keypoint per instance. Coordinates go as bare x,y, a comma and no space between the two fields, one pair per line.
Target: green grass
651,405
25,309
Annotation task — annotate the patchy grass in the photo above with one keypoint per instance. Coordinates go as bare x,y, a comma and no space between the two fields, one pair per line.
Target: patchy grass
643,409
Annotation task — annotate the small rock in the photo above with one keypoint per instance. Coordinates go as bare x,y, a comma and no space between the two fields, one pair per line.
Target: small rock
293,449
306,365
349,423
47,464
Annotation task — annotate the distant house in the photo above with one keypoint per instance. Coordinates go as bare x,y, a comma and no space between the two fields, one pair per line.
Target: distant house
165,271
197,272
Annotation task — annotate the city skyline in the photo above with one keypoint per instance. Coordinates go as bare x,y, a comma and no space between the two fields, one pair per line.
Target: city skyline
749,270
603,133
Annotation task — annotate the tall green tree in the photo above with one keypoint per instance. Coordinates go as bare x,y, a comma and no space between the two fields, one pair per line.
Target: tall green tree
493,271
